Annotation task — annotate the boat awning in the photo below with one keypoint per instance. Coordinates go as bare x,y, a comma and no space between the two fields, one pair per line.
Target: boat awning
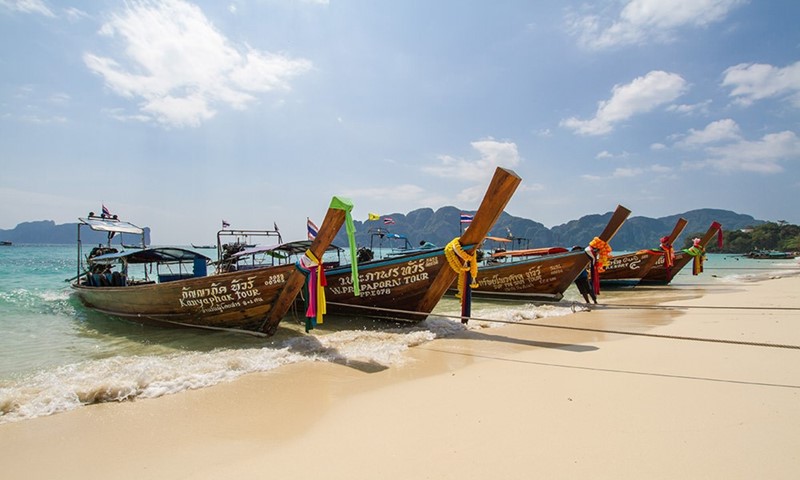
531,252
255,250
283,250
151,255
111,225
499,239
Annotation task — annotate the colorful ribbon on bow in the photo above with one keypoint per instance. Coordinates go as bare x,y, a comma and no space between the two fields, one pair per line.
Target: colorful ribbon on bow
466,265
600,251
698,254
316,306
603,253
347,206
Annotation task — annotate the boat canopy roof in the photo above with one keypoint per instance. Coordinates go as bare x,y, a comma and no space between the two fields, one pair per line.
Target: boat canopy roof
396,235
529,252
283,250
151,255
499,239
111,225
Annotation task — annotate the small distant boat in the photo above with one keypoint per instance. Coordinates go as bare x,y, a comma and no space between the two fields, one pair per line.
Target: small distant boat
175,289
204,247
659,274
771,255
627,270
5,243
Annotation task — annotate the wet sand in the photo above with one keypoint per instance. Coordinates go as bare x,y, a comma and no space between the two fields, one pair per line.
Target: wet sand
698,397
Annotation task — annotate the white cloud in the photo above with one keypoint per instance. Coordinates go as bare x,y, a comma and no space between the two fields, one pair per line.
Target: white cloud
696,108
657,146
642,21
401,192
757,81
629,172
28,6
74,15
715,132
181,68
604,154
492,154
642,95
617,173
762,156
43,120
386,198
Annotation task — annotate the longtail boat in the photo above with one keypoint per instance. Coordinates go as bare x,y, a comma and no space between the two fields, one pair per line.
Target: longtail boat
538,274
628,269
175,289
408,287
662,274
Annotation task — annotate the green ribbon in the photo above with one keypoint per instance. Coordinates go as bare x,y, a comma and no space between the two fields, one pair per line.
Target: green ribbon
694,251
347,205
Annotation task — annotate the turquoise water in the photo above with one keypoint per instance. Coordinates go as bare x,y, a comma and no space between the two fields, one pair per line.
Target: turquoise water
56,355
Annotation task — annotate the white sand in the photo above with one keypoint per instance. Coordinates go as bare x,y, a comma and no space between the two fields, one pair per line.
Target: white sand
516,402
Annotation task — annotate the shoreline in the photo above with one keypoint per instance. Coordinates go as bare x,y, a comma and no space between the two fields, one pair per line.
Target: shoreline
509,402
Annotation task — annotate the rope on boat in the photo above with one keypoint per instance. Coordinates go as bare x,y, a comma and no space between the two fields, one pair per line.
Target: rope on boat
687,307
575,307
161,319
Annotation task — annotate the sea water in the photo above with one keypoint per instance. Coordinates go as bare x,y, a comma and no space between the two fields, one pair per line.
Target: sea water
56,355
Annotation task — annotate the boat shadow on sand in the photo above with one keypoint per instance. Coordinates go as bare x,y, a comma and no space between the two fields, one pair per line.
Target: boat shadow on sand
523,342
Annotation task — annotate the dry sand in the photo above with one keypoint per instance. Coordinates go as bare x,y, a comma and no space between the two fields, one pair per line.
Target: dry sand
516,402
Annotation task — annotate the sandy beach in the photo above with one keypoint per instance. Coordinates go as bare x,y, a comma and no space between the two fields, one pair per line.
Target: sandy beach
688,390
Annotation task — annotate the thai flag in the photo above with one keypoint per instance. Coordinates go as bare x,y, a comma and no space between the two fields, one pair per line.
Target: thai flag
388,221
225,224
312,229
466,218
105,213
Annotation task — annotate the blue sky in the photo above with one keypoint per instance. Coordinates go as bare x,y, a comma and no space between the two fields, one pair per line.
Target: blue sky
178,114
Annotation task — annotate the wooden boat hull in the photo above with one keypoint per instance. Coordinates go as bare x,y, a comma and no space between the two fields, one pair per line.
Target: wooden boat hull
392,288
628,269
409,287
237,300
544,277
539,277
252,300
658,275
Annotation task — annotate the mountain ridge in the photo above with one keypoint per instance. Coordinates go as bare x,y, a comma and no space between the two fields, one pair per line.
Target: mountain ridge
442,225
46,232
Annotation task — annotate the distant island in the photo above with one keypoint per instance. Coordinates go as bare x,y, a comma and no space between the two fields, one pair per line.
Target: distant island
743,232
46,232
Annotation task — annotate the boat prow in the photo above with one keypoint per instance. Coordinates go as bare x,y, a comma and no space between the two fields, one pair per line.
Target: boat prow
660,274
535,274
627,270
408,287
181,293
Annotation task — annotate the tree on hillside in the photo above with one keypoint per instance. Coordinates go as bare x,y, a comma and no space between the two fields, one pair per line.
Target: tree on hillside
767,236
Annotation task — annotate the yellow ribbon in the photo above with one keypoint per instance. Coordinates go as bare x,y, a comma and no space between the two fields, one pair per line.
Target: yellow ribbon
461,262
